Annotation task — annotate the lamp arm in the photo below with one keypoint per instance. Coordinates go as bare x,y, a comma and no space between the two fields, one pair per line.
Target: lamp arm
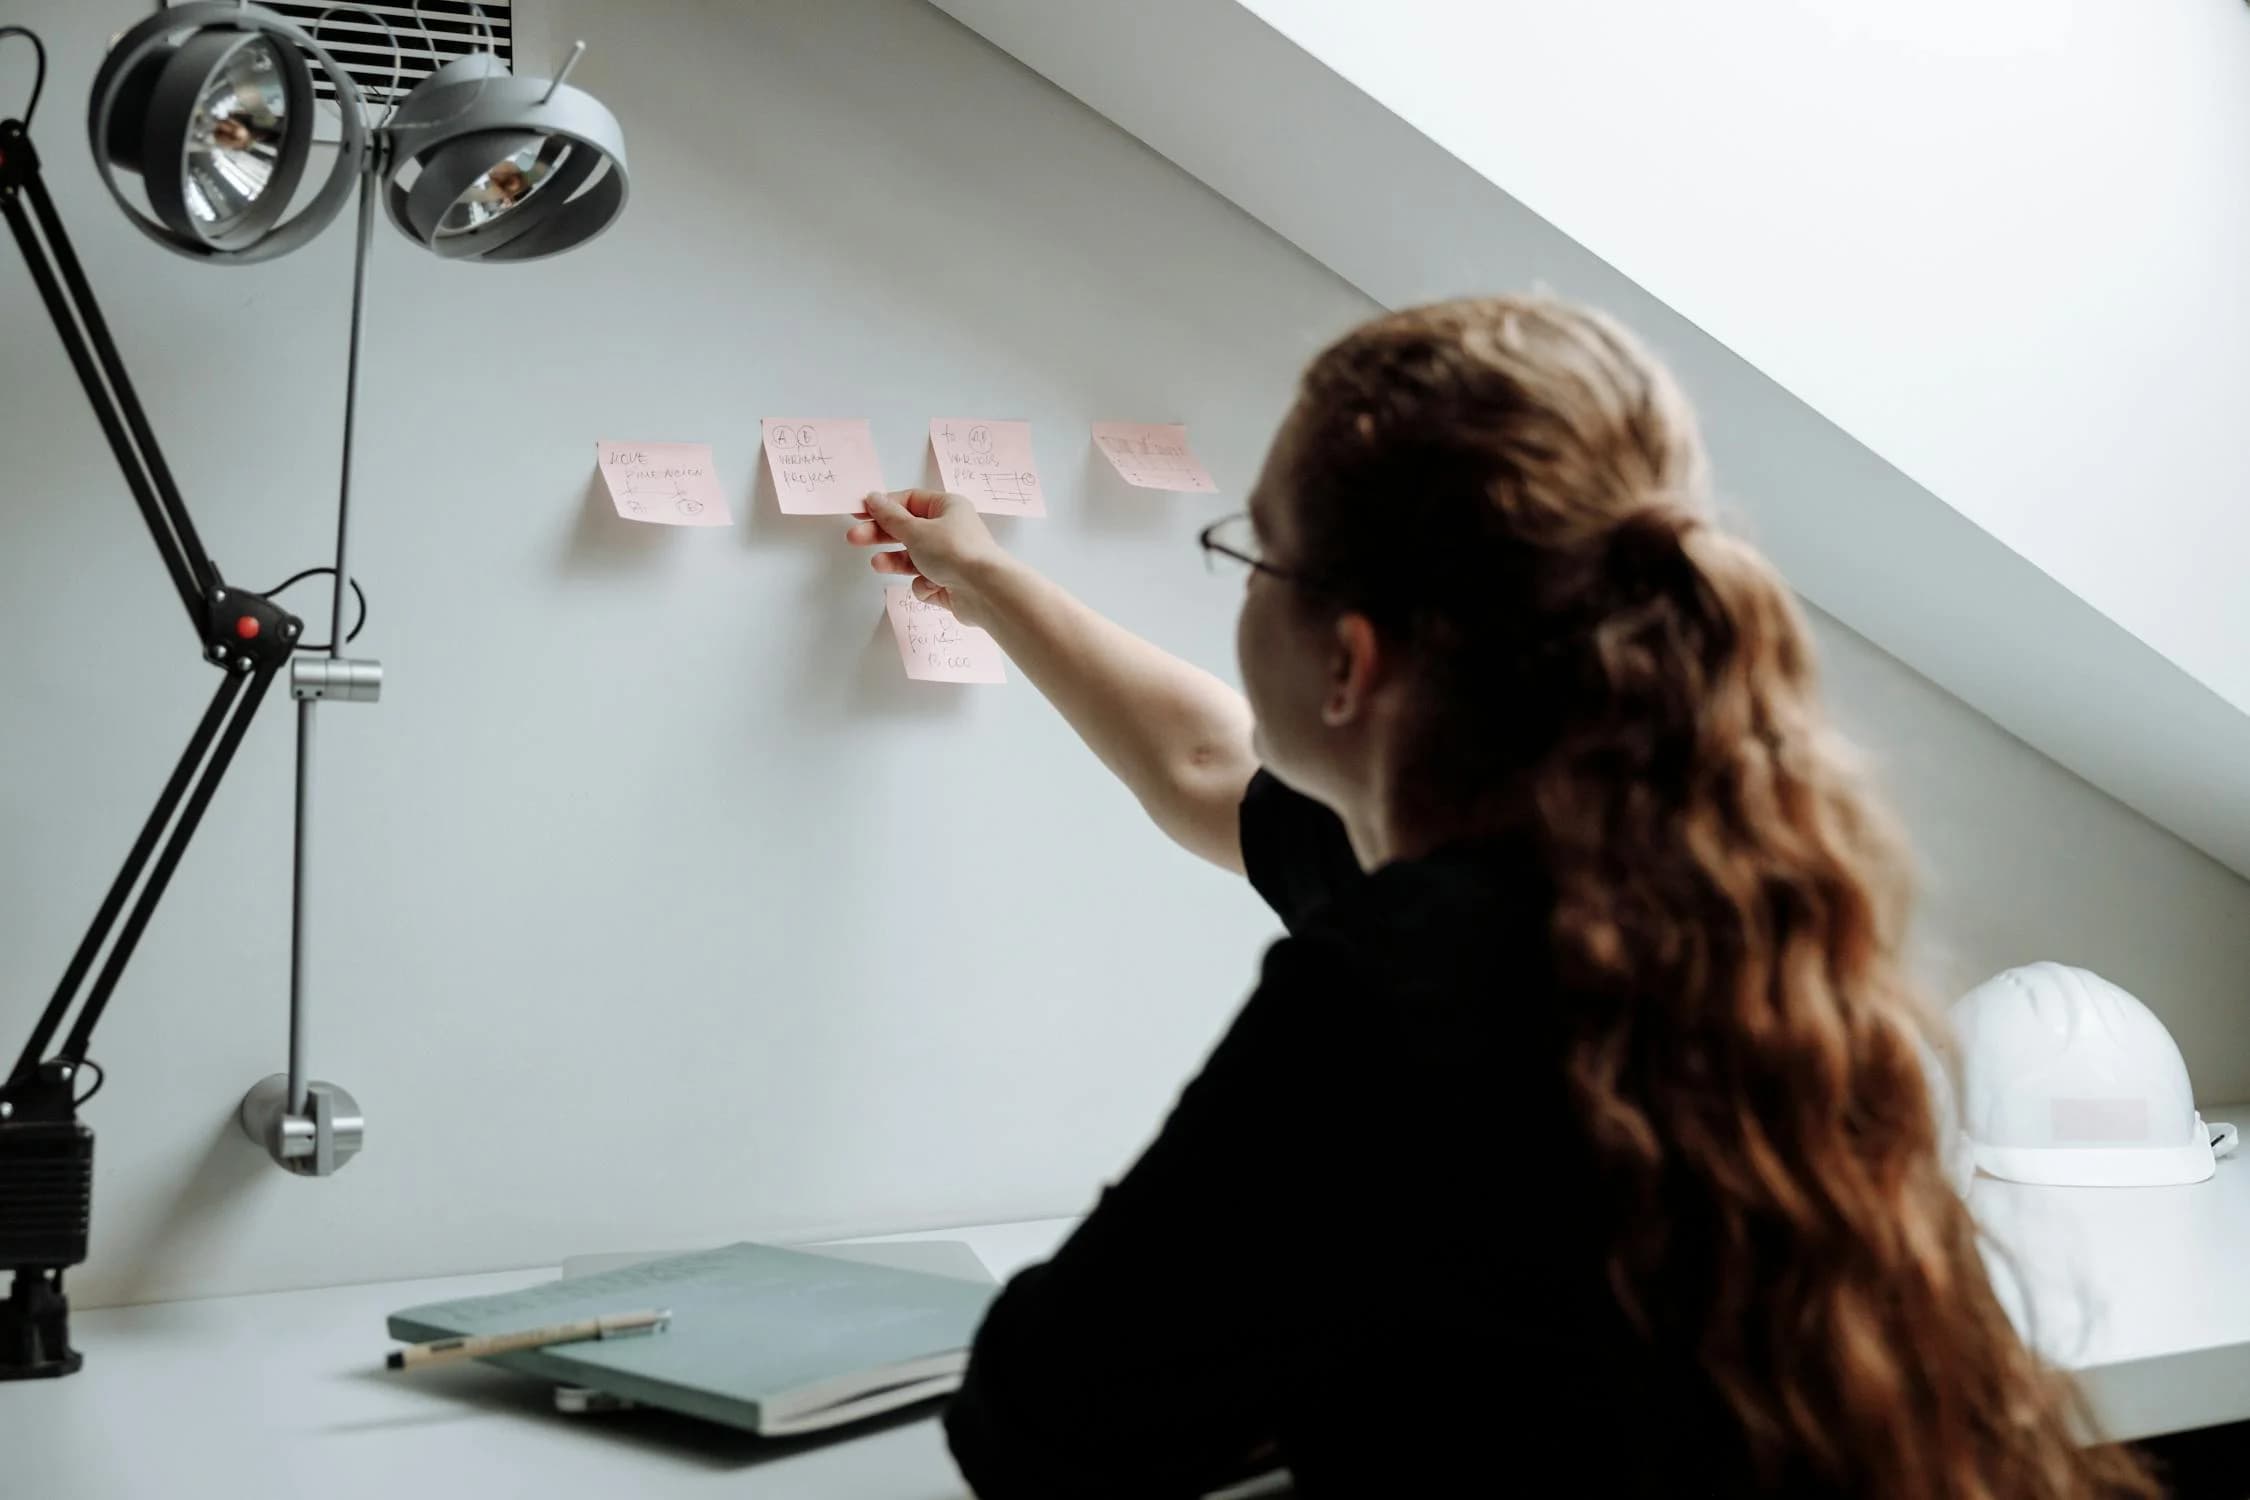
93,354
46,1154
243,633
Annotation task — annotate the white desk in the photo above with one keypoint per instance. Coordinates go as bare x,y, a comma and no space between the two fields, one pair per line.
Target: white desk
2144,1292
284,1394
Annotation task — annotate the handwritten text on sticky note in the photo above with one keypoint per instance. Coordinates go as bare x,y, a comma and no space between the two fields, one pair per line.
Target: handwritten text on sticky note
990,462
1153,455
822,466
936,647
669,484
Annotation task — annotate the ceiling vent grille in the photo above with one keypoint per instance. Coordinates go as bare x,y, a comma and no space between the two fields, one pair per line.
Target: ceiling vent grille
388,49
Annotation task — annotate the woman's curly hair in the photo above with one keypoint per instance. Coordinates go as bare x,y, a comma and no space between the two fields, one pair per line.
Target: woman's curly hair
1514,490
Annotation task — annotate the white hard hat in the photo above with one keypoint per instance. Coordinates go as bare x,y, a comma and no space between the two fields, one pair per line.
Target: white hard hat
2068,1080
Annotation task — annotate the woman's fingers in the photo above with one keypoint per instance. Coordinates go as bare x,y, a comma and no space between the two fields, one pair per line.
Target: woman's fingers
928,504
896,512
940,539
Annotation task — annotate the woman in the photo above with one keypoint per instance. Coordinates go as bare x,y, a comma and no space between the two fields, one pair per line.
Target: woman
1578,1129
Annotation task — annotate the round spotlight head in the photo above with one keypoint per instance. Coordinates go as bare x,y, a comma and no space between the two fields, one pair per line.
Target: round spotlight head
209,119
483,165
506,185
239,171
212,106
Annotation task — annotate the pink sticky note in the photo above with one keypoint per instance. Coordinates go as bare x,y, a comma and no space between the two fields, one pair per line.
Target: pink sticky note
1153,455
990,462
938,648
822,466
668,484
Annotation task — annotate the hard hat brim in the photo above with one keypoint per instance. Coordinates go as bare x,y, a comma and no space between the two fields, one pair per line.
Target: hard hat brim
2097,1166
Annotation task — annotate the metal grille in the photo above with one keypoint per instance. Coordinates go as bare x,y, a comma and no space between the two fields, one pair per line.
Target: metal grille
428,36
47,1185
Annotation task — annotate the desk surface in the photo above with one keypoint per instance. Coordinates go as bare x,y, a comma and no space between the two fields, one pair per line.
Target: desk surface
284,1394
2140,1291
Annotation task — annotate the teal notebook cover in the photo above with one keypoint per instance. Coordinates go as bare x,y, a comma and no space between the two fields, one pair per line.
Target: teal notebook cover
767,1340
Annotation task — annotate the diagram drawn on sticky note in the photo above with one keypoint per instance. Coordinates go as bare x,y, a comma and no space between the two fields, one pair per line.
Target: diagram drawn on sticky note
936,647
1153,455
990,462
822,466
665,484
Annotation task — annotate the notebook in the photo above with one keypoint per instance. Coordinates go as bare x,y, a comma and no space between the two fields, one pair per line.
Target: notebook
771,1341
951,1258
936,1257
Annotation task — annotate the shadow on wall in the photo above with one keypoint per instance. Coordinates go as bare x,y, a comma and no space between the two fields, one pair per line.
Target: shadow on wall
836,583
204,1201
880,684
601,542
766,525
1110,504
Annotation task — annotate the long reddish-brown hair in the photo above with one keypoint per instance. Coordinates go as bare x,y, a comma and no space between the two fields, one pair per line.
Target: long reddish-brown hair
1512,490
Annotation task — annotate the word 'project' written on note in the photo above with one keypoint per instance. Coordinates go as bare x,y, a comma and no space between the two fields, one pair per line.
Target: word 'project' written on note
1153,455
822,466
666,484
936,647
990,462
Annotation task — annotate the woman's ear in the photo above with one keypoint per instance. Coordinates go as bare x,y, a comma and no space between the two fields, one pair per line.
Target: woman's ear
1354,671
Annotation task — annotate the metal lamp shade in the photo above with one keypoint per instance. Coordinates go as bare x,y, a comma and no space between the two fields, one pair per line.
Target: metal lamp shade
488,166
212,105
221,149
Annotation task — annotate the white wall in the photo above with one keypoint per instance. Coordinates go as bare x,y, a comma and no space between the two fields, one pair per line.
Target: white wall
2019,859
652,905
2000,242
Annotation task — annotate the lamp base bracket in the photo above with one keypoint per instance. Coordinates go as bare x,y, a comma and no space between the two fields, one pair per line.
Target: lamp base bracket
317,1142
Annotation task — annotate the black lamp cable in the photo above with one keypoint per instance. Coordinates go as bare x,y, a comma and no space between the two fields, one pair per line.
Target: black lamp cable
357,593
39,78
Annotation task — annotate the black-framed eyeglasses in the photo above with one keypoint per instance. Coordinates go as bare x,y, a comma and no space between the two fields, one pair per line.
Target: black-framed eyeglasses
1231,546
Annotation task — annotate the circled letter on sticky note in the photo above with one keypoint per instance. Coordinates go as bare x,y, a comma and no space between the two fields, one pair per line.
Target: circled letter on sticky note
822,466
990,461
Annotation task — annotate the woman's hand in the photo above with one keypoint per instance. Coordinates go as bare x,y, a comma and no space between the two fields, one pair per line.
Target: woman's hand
1176,735
949,552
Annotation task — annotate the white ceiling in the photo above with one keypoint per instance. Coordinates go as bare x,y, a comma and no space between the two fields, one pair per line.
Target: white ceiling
2004,243
1936,414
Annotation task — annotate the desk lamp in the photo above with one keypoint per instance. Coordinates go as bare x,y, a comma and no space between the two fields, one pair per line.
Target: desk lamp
212,107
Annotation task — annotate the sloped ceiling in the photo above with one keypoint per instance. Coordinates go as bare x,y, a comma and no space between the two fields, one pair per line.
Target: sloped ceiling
1957,290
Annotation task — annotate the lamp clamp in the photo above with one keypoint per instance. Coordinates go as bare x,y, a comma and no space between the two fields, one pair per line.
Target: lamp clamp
335,679
47,1183
315,1139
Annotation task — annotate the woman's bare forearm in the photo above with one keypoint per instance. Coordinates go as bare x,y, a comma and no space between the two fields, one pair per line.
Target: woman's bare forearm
1177,736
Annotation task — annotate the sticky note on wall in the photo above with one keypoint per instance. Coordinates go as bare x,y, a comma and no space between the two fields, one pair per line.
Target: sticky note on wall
822,466
936,647
990,462
666,484
1153,455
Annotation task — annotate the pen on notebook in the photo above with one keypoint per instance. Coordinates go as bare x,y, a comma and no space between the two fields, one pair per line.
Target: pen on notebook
478,1346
